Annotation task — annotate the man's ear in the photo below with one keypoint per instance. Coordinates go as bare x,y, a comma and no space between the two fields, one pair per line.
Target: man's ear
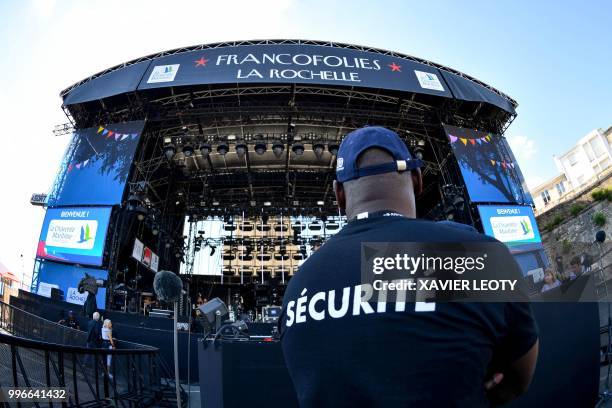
340,196
417,181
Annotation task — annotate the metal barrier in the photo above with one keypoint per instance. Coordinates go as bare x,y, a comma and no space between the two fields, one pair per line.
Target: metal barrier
35,352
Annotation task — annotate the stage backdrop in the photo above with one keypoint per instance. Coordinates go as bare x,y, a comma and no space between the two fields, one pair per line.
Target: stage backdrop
67,277
75,235
97,165
488,167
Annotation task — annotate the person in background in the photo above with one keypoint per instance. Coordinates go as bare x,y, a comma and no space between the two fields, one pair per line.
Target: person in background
108,342
575,269
94,332
550,281
559,262
70,321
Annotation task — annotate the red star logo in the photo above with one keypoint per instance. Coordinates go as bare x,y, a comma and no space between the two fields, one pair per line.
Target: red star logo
394,67
201,62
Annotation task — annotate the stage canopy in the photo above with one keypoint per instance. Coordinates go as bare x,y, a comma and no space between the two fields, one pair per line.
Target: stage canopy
284,62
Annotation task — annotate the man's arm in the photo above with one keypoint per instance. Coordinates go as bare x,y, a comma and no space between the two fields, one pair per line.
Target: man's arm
515,378
516,356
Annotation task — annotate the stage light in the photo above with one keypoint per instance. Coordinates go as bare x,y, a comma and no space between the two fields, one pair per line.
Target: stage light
298,149
141,212
205,149
260,148
458,202
449,212
267,203
253,203
320,202
134,200
188,150
222,149
169,151
241,149
318,148
333,148
215,202
277,149
155,231
168,245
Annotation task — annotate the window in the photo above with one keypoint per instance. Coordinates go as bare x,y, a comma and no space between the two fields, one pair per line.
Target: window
572,159
581,179
597,147
560,188
545,197
589,151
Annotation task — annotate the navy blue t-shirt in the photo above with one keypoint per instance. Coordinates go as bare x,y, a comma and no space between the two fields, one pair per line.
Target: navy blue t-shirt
339,356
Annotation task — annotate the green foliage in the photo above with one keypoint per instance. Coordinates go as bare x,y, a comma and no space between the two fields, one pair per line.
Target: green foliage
555,221
599,219
566,246
602,194
576,208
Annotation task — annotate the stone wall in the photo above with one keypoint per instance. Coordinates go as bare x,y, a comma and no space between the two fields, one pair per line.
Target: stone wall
575,234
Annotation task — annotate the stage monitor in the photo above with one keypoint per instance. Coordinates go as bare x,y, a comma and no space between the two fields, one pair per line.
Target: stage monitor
489,169
66,278
96,165
74,234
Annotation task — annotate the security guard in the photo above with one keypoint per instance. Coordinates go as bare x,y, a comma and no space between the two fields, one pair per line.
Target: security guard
340,352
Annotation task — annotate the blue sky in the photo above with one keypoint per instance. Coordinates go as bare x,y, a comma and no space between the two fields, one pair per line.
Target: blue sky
554,58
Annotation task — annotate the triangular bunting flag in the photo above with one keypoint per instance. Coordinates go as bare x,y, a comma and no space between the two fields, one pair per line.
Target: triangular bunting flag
488,137
464,141
503,164
452,138
105,131
101,128
493,162
123,137
110,133
117,136
134,135
472,141
478,141
85,162
78,165
70,167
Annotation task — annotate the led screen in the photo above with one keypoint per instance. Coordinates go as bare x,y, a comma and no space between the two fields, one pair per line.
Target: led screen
516,227
97,165
488,167
67,277
75,235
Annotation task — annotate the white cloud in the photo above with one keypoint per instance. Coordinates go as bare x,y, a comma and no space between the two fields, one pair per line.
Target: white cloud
523,147
44,8
534,181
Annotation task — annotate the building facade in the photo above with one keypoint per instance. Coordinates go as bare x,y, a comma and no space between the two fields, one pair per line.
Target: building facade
579,167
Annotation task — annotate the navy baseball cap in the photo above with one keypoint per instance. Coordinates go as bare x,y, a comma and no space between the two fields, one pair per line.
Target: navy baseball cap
364,138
